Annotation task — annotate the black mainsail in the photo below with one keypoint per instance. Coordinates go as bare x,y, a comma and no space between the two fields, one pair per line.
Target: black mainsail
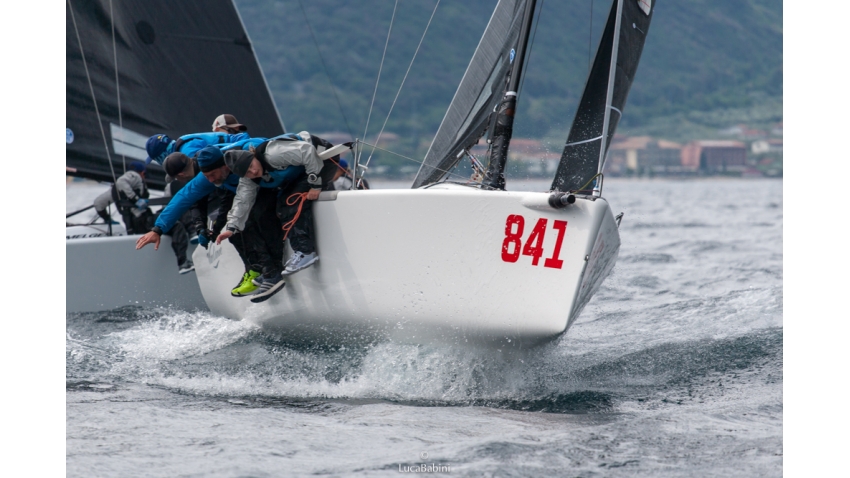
138,68
480,91
604,96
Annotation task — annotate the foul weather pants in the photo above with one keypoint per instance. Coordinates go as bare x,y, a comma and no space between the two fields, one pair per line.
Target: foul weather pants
260,245
238,239
302,236
264,236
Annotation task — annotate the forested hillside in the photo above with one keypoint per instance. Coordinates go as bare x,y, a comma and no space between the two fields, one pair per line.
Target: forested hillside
707,64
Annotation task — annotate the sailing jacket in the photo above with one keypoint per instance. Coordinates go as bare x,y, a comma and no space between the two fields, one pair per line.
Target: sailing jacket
200,187
190,144
287,155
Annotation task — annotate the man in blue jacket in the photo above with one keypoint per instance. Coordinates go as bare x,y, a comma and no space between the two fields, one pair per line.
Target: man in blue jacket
159,146
210,161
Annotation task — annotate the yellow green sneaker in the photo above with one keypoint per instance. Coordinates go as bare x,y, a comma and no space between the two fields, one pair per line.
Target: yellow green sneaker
246,286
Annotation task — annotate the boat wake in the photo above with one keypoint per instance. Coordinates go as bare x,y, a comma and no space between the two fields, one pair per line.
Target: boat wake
200,354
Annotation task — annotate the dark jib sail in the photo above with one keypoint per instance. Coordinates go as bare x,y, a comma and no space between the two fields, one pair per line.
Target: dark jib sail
580,160
480,90
138,68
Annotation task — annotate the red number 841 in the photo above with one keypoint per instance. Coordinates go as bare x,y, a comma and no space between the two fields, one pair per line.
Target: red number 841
534,244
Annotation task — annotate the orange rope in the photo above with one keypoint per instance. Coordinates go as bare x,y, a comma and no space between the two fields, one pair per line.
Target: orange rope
299,198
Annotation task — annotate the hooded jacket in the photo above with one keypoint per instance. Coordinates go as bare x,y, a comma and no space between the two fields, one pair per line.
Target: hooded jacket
190,144
130,185
284,158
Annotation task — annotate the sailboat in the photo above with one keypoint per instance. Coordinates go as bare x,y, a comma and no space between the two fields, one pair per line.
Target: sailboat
464,262
136,68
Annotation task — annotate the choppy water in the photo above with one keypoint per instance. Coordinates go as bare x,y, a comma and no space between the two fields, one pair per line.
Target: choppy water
674,368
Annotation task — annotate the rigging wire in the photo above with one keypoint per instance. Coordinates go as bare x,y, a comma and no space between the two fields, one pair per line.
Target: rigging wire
421,162
322,58
380,68
117,84
91,88
590,39
378,140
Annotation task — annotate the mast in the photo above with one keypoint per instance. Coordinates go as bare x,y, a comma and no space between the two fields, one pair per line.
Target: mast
494,178
472,110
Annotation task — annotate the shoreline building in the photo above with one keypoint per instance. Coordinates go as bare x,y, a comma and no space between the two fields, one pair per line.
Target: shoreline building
715,156
644,156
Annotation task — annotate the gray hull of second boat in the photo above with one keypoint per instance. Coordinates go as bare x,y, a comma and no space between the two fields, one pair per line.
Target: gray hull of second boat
104,273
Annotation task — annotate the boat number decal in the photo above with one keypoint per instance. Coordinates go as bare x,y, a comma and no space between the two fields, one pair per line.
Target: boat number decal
512,246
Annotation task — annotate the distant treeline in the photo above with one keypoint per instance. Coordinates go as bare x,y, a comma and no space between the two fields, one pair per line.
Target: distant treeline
707,64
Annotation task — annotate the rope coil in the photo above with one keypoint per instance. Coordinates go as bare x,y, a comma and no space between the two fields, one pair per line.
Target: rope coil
294,198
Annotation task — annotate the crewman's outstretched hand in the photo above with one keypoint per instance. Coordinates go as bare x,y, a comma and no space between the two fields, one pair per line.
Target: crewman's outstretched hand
147,239
313,194
224,235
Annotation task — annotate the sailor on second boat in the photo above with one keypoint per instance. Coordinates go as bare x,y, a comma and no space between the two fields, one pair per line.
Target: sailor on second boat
130,194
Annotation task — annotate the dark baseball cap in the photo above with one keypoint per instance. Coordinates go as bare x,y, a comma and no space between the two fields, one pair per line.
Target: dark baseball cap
175,163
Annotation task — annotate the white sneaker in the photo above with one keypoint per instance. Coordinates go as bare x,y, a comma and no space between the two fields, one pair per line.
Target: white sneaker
299,261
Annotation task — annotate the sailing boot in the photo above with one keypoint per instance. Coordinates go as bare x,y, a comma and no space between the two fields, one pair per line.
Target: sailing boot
299,261
246,286
272,283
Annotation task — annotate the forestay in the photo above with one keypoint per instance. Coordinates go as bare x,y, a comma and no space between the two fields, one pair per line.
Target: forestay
480,90
580,160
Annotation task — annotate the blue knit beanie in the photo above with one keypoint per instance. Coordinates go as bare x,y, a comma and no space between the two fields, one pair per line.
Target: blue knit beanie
210,158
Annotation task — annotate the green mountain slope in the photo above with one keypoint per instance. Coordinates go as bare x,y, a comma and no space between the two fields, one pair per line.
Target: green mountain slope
706,64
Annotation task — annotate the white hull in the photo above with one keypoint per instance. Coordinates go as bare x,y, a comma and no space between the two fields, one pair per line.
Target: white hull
427,264
103,273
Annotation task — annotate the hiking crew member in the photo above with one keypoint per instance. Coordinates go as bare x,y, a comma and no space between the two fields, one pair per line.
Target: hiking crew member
159,146
189,145
282,153
130,194
183,169
256,253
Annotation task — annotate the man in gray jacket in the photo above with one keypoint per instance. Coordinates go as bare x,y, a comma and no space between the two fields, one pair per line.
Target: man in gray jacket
130,195
275,157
